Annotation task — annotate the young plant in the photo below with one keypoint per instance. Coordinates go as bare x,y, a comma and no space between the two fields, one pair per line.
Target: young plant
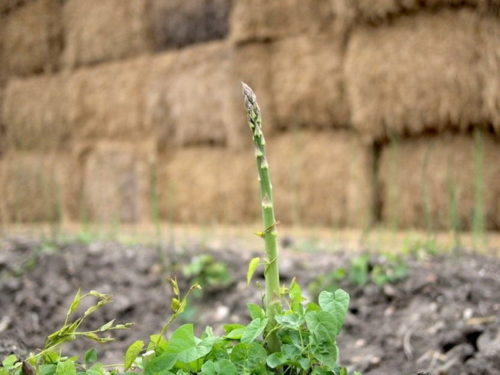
269,234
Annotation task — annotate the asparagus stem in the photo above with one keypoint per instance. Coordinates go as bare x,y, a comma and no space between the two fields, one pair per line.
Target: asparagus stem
273,303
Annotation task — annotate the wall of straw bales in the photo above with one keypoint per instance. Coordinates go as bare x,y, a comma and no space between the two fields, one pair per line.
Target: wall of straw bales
207,184
110,103
38,187
36,111
418,73
178,23
490,68
32,38
261,20
97,31
321,177
420,176
116,184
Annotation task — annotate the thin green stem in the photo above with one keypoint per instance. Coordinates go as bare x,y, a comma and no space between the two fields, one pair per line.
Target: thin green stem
273,302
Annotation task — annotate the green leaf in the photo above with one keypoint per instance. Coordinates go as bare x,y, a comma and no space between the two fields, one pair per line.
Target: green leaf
295,294
50,356
323,327
220,367
96,369
48,369
256,311
292,321
160,364
186,346
9,361
132,352
249,358
336,304
276,359
66,368
75,304
107,326
90,357
254,330
157,342
252,267
234,331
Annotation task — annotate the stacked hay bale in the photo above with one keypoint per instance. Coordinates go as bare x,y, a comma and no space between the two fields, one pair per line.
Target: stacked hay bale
292,54
420,76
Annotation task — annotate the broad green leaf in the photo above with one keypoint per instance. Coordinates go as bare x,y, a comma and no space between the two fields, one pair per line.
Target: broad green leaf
252,267
234,331
291,352
336,304
236,334
48,369
231,327
50,356
254,330
157,343
96,369
249,358
132,352
66,368
293,321
9,361
256,311
90,357
186,346
160,364
220,367
276,359
323,328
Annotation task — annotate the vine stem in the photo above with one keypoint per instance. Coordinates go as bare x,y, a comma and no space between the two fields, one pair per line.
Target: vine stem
273,303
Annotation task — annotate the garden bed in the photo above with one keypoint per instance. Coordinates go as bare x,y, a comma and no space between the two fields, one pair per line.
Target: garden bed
443,318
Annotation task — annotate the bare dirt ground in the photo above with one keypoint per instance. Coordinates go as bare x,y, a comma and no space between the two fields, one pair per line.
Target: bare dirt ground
444,318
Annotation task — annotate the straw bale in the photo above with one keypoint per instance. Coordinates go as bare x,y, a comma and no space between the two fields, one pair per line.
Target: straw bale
416,74
33,38
419,175
39,187
208,184
195,86
116,181
177,23
257,20
307,82
379,11
97,30
111,100
321,178
490,69
7,6
35,113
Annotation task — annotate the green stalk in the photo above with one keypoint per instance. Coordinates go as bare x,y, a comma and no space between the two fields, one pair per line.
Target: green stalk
269,234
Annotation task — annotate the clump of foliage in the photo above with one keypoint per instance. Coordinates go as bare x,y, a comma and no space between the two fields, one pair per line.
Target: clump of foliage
207,271
287,335
362,270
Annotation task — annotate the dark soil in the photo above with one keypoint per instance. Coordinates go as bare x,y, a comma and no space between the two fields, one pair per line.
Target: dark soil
443,319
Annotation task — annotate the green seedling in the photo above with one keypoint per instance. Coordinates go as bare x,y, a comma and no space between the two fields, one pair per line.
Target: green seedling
206,271
363,270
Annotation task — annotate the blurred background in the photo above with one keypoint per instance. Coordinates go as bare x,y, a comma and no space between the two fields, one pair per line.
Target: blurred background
377,113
